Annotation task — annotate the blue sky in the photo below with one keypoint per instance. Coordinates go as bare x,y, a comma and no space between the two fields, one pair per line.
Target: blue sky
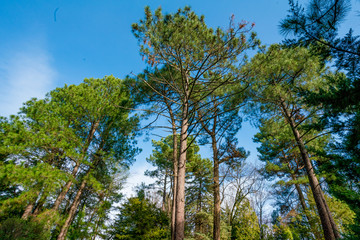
48,43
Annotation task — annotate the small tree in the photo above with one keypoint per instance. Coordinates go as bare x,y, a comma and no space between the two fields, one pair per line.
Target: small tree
140,219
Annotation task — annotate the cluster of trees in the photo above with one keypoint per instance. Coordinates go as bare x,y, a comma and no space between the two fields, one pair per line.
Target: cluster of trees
64,158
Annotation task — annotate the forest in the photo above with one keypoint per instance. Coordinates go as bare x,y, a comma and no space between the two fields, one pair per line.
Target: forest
64,159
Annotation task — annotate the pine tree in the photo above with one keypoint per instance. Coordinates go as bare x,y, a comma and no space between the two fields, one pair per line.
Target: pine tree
183,42
282,74
65,147
318,24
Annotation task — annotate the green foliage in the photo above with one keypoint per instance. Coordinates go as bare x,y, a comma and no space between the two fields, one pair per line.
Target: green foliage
245,223
90,126
340,98
140,219
240,222
292,221
283,74
18,229
188,33
162,158
283,232
198,207
198,178
41,177
86,125
343,215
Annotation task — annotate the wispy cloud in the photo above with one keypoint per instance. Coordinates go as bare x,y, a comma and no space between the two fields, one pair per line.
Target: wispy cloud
25,72
136,177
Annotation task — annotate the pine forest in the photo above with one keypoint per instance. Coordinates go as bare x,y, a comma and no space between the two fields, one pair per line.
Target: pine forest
65,158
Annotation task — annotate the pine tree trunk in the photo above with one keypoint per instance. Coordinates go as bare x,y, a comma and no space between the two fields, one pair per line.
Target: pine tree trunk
180,196
302,202
29,208
261,224
216,177
40,204
67,186
336,230
330,230
198,220
73,208
164,192
304,207
175,168
28,211
175,165
65,189
217,210
77,199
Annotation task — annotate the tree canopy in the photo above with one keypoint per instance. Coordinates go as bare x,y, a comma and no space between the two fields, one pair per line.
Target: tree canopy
64,159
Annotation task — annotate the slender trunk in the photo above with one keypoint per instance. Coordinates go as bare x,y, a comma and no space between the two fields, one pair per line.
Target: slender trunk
330,230
198,220
333,224
67,206
96,209
261,223
73,208
67,186
96,230
217,210
302,202
75,204
175,177
180,196
164,192
28,211
216,177
29,208
77,199
304,207
40,204
169,207
301,199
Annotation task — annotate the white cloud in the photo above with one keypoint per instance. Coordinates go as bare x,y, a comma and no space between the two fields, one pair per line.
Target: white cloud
136,177
25,72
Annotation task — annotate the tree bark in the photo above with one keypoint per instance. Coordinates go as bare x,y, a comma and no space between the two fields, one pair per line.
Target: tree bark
73,208
180,196
330,230
175,177
40,204
217,210
29,208
198,220
304,207
28,211
216,177
302,200
67,186
261,224
163,207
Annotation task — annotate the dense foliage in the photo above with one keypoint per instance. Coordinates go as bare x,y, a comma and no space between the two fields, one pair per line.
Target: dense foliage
64,159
